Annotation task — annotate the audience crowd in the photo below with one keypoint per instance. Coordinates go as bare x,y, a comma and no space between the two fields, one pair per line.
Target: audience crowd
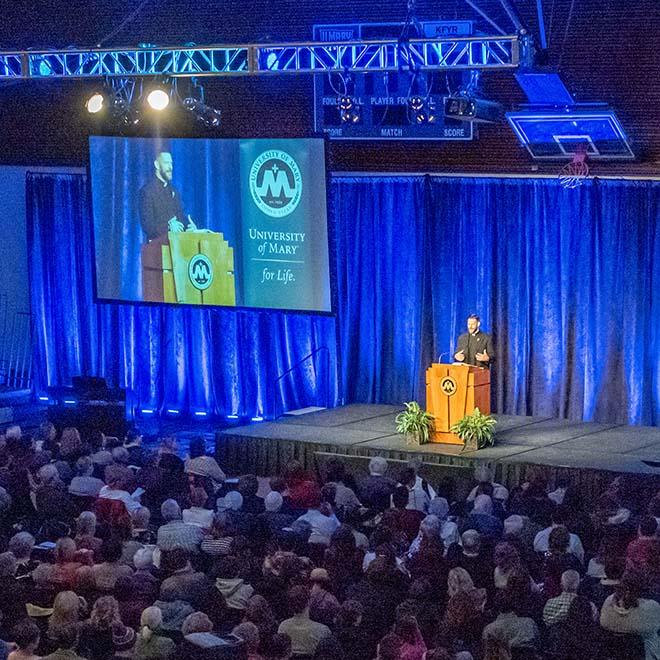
111,549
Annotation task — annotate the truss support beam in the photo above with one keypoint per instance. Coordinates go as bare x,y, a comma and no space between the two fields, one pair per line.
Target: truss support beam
499,52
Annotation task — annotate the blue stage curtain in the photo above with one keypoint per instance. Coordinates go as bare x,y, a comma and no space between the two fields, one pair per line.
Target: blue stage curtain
220,361
567,281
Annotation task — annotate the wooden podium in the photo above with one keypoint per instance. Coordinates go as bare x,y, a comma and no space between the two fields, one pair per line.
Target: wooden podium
453,391
194,268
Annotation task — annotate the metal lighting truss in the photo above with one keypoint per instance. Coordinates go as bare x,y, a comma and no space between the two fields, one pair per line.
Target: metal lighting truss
500,52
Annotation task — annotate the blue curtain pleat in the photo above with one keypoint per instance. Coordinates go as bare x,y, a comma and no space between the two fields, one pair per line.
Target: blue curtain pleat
566,280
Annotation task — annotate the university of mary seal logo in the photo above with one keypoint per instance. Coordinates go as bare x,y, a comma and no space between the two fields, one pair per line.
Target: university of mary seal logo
448,386
275,183
200,272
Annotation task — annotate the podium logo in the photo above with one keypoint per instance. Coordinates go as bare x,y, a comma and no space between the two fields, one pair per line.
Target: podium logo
275,183
200,272
448,386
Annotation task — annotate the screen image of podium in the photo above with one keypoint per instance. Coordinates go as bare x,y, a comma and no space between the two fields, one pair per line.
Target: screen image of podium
452,392
194,268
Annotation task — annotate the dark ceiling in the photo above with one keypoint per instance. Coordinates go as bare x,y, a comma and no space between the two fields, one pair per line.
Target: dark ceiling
605,50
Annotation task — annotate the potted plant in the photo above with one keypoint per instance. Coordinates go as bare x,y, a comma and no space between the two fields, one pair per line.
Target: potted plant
476,430
415,423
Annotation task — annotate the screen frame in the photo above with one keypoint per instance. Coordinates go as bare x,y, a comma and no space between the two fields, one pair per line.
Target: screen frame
330,233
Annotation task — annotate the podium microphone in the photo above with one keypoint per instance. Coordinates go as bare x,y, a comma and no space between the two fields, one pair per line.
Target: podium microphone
441,355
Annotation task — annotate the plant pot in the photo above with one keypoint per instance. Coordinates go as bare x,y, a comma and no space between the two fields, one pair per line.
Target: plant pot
470,444
412,439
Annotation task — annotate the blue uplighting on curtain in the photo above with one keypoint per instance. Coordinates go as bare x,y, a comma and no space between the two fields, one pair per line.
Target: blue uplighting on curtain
566,280
220,361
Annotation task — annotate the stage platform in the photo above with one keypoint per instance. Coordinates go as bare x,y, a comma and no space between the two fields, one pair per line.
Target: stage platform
593,453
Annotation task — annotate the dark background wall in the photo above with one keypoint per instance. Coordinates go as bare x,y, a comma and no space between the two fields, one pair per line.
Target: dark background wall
605,50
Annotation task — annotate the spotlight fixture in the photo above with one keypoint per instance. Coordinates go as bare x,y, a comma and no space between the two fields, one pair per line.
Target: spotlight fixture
205,114
421,110
158,99
96,103
349,110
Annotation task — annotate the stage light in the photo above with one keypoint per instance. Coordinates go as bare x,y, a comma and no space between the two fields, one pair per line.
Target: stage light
158,99
349,110
45,399
205,114
232,416
95,103
173,411
200,413
257,419
147,411
69,402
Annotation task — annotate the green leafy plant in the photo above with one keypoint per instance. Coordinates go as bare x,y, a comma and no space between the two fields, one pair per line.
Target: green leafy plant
476,430
416,424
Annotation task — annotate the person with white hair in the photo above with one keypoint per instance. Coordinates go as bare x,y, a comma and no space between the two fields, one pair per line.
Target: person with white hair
376,490
149,643
21,546
84,484
556,609
484,475
482,519
175,533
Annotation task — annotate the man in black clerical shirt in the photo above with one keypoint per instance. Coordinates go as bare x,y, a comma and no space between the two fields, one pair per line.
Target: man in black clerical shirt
160,203
475,347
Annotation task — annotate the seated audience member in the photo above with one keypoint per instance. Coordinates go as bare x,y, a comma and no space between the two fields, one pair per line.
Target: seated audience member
301,488
556,609
346,500
348,629
482,519
62,574
21,546
230,583
343,560
197,622
403,521
643,554
475,559
418,498
65,641
577,635
304,633
558,560
559,517
104,635
175,533
625,611
448,529
67,611
428,560
248,486
133,444
598,589
52,500
198,514
110,569
202,465
84,484
273,520
413,646
26,637
150,645
323,605
85,538
389,647
249,633
141,530
321,525
519,632
376,489
116,488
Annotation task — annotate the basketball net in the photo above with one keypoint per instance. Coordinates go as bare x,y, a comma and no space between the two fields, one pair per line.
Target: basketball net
574,173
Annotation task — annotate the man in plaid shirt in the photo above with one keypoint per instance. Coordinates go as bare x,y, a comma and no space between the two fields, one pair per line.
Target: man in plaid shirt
556,609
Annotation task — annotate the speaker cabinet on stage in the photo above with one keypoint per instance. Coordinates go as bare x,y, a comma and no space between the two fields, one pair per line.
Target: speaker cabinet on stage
194,268
453,391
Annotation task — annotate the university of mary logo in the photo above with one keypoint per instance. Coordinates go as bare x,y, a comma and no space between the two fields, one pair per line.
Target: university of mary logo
448,386
200,272
275,183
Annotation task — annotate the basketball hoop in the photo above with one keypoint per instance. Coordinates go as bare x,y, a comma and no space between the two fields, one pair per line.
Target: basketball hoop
573,174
